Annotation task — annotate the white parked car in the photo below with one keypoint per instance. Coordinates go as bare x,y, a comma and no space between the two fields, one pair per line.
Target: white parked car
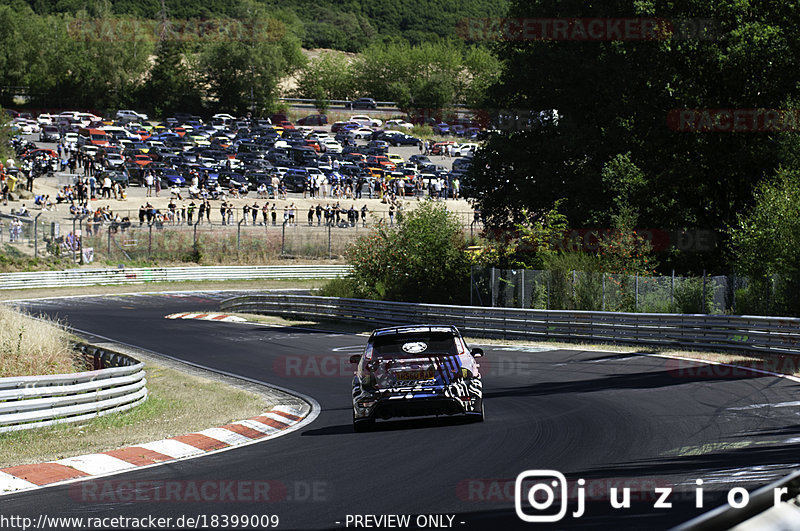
363,119
126,114
362,132
464,150
71,140
398,124
87,118
331,145
26,127
45,119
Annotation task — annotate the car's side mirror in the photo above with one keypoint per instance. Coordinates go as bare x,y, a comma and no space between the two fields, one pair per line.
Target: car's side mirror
355,358
477,352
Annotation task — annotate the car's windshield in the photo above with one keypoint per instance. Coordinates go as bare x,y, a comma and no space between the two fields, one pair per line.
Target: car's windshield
414,345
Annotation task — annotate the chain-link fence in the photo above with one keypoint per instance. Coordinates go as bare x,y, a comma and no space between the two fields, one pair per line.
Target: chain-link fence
209,241
205,243
578,290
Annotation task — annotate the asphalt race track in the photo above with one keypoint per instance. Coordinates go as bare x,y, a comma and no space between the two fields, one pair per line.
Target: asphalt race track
615,420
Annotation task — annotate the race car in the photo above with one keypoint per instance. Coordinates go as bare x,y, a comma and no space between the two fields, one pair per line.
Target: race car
419,370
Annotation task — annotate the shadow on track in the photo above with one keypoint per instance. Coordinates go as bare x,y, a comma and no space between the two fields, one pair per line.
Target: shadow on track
638,380
394,425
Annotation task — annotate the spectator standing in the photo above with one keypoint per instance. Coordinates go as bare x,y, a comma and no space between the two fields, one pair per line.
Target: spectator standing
148,181
106,187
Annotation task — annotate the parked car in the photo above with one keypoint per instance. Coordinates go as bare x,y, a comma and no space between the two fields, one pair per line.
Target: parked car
313,119
232,179
395,124
117,176
419,160
131,116
114,161
49,133
441,129
362,133
362,103
171,177
366,121
402,139
295,179
464,150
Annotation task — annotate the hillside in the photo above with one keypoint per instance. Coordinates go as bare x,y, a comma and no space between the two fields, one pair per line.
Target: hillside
347,25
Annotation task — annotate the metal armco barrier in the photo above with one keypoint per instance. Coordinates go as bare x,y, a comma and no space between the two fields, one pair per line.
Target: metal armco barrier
701,332
90,277
118,383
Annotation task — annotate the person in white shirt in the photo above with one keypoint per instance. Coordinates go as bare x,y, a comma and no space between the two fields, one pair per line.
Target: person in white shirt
149,181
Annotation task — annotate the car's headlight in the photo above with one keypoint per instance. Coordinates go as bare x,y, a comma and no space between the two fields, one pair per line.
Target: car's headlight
466,373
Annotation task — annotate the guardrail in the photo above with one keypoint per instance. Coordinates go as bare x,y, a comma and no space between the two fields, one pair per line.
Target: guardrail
307,101
336,102
702,332
90,277
117,383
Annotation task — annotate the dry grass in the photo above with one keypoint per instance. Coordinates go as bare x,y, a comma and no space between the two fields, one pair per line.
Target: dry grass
30,347
172,408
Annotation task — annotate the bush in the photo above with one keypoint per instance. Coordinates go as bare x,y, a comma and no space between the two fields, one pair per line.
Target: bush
689,296
343,287
423,259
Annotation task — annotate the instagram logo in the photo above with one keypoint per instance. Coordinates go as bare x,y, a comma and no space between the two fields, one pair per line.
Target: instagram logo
538,489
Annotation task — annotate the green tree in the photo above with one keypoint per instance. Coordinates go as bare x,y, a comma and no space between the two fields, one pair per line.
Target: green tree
765,240
423,259
5,137
243,75
329,75
425,76
615,97
170,85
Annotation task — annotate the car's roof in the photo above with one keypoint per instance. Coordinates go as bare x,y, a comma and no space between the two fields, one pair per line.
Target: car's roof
413,329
